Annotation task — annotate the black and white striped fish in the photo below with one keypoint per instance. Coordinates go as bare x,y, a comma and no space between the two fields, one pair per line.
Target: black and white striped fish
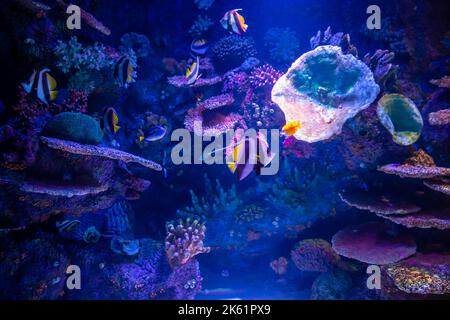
234,22
123,71
193,73
42,85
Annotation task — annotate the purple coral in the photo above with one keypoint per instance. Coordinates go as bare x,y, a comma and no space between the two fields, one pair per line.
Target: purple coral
184,240
264,76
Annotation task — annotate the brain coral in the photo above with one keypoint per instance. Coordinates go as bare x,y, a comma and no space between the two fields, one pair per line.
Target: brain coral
74,126
322,89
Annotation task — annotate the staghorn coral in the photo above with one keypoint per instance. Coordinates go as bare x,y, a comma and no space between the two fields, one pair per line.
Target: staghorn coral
184,240
283,44
339,39
314,255
381,66
215,201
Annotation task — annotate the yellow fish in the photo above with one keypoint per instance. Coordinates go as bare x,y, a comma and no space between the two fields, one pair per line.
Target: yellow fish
291,128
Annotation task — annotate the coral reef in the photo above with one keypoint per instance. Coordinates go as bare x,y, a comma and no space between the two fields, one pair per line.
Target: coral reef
439,118
422,274
331,286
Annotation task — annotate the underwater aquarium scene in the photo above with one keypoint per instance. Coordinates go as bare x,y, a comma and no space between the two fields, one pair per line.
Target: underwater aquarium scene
231,150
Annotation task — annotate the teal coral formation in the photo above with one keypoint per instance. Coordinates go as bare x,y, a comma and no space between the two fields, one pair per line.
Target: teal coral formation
74,126
135,43
86,65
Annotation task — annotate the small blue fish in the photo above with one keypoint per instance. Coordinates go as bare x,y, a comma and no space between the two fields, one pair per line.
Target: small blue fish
42,85
155,133
199,47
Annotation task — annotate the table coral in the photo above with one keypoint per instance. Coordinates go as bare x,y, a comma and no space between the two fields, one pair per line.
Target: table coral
373,243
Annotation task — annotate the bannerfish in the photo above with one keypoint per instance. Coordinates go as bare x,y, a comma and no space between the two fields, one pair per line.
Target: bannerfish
42,85
248,155
199,47
123,71
291,128
192,73
155,133
66,225
110,120
234,22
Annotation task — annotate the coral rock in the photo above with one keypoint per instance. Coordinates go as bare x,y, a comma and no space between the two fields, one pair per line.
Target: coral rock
322,89
439,118
314,255
431,218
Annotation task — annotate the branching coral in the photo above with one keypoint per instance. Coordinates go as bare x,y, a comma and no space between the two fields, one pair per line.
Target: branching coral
339,39
264,76
85,64
283,44
200,26
184,240
216,200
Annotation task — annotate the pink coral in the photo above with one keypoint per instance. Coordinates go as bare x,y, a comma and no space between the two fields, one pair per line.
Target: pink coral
264,76
300,149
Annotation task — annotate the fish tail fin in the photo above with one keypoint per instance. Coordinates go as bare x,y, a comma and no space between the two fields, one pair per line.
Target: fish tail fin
26,87
141,138
116,128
